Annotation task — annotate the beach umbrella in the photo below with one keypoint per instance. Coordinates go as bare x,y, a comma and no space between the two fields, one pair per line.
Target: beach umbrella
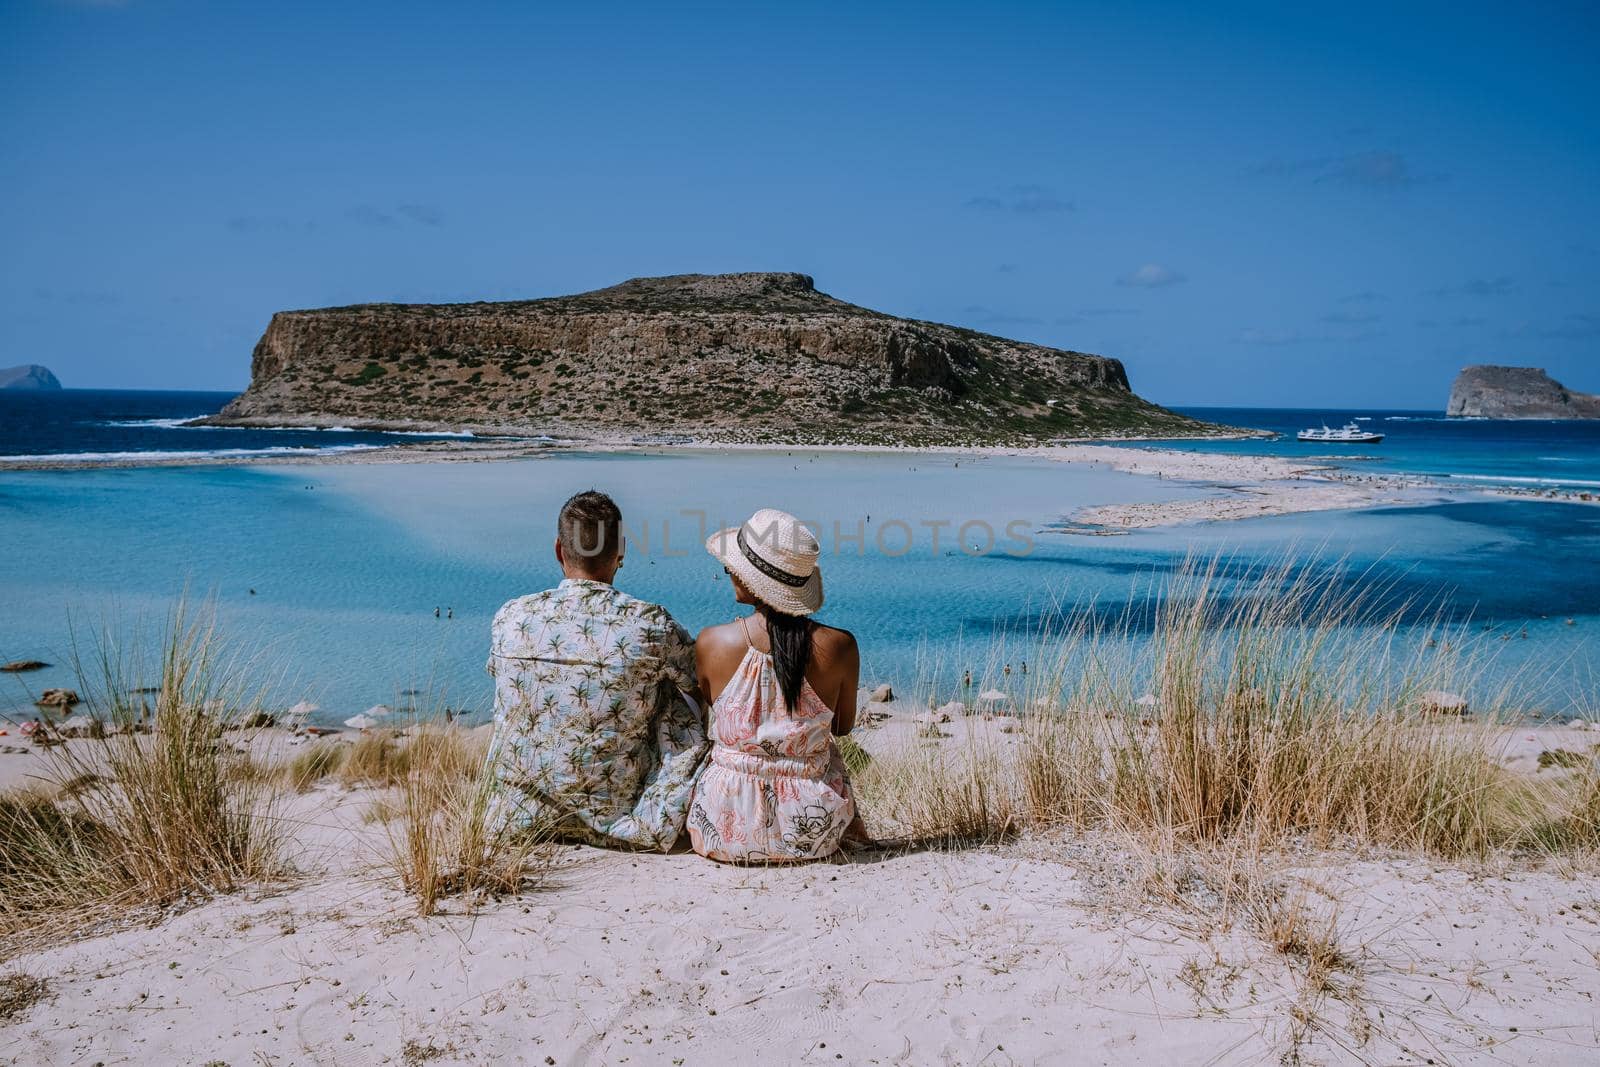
296,716
994,701
378,711
360,722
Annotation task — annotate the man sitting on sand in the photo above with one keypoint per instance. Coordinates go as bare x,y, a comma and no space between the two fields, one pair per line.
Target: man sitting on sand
597,736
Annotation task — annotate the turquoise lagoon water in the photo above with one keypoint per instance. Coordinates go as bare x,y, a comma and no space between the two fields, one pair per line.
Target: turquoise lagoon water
328,576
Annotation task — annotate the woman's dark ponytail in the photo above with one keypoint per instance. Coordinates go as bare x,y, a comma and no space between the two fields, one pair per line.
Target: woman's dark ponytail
790,637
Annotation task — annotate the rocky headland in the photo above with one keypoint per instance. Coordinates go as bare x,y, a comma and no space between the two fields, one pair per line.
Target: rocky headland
28,377
1490,392
730,357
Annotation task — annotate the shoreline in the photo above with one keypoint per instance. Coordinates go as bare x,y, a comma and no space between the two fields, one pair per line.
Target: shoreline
1243,487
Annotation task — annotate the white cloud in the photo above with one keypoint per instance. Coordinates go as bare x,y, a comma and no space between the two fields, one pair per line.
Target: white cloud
1369,170
1022,200
1152,276
1501,286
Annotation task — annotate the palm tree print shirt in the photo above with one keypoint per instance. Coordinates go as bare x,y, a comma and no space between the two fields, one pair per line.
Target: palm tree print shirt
594,738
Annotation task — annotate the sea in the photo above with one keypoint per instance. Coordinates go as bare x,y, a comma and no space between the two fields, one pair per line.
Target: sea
353,585
1539,454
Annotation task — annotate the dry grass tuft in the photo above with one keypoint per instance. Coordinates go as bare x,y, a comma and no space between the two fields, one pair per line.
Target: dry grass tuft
941,797
855,757
1282,708
1283,714
382,758
374,758
444,836
1555,815
159,810
19,993
312,764
1288,923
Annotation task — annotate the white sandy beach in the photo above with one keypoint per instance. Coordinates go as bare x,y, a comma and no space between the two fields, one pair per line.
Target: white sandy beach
980,957
1046,950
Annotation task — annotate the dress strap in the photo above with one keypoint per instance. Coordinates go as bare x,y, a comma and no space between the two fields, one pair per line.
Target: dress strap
744,627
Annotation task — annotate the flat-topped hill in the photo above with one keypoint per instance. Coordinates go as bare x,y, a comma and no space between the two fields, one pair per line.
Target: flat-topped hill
29,377
729,357
1491,392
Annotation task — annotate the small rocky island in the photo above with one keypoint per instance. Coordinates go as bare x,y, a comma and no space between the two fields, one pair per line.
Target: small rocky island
1490,392
28,377
726,357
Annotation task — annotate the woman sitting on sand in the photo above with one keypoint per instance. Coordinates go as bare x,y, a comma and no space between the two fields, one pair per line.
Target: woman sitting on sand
782,687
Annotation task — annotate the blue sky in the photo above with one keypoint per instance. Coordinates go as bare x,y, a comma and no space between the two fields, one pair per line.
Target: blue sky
1266,204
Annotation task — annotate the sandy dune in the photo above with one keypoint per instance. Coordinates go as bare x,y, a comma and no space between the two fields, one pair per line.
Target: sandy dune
1036,952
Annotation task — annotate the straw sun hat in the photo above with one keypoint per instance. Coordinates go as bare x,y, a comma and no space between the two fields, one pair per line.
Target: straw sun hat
775,556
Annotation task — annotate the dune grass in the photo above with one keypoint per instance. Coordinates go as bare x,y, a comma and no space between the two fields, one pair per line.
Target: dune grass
158,810
446,838
943,797
432,796
1281,706
313,763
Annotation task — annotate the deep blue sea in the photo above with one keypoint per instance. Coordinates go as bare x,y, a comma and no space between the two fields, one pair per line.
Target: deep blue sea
327,577
1531,453
118,424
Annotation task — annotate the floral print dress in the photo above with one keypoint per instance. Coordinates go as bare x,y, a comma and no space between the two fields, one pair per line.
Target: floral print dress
594,739
775,790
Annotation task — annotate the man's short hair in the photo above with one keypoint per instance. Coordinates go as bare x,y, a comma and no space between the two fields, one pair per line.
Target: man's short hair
590,528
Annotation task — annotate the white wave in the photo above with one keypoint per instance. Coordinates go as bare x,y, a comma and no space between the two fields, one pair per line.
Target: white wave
359,429
182,424
165,424
427,433
218,453
1556,483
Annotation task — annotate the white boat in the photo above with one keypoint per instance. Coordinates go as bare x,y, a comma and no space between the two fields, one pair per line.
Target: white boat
1350,435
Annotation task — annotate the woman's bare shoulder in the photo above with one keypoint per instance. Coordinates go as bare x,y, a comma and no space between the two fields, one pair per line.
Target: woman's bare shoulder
720,637
833,642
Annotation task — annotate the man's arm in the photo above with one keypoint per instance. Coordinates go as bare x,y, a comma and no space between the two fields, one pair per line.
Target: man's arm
678,656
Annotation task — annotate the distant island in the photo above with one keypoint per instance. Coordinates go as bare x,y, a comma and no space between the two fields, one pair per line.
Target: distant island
725,357
1490,392
29,376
